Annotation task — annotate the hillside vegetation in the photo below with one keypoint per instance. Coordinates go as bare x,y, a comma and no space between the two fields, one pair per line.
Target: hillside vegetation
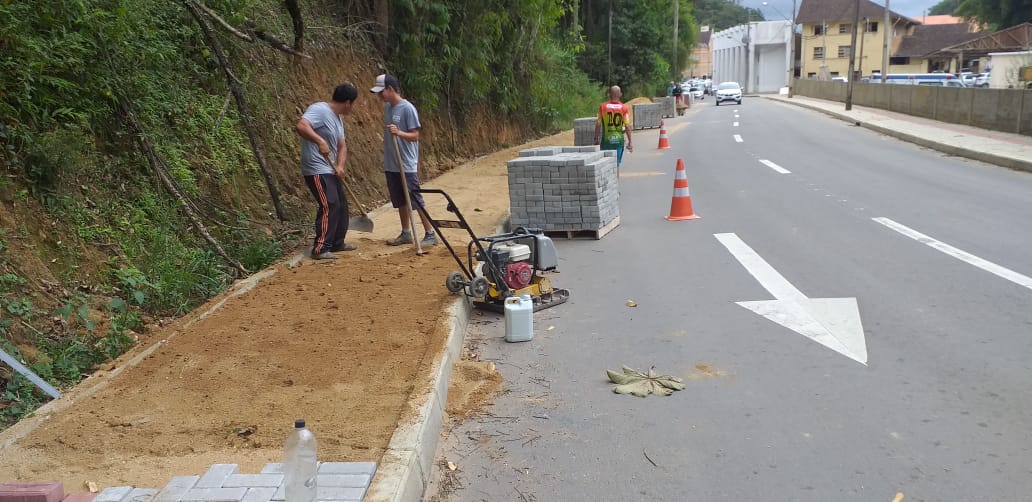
148,152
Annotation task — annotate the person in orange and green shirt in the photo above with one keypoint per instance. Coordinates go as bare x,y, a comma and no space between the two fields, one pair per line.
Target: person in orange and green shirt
614,121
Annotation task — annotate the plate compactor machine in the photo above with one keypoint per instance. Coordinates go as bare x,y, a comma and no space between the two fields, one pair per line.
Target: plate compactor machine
501,266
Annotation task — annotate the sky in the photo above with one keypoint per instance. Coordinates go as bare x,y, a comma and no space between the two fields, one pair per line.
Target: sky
909,8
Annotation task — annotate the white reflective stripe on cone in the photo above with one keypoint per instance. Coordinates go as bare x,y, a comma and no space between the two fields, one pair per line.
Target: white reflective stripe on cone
680,174
681,192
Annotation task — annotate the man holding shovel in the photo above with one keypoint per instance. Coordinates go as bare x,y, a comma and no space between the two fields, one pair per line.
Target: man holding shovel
401,139
323,154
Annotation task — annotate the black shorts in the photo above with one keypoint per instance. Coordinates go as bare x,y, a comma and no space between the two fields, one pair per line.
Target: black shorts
397,192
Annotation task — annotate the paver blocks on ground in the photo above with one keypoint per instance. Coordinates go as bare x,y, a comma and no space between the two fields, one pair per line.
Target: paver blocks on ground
337,482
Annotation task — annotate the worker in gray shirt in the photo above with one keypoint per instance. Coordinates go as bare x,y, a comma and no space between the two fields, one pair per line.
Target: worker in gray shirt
323,154
401,121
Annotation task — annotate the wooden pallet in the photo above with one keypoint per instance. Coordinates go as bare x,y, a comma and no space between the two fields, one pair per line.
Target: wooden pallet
595,234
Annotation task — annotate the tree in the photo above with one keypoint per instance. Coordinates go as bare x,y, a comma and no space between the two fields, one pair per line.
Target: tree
945,7
722,14
641,54
998,14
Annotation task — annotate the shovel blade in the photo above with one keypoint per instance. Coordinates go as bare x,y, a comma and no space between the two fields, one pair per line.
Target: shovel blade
360,224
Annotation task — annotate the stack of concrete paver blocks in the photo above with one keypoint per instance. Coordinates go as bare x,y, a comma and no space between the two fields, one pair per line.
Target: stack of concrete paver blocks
584,131
668,106
647,116
335,481
565,189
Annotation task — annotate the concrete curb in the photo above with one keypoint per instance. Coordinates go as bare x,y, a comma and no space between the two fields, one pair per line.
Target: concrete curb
990,158
405,468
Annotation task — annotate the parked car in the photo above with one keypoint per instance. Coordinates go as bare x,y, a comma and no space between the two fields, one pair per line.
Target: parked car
697,92
729,91
839,79
982,80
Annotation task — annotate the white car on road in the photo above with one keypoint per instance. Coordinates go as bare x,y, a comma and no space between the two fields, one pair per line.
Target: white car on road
729,91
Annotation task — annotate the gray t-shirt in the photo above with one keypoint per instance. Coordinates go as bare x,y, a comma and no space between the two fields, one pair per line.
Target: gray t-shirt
404,116
328,126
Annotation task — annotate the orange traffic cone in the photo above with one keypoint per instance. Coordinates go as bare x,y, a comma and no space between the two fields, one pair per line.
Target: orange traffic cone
681,202
664,141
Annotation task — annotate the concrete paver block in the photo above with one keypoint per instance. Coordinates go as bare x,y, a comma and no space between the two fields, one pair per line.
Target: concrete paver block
217,475
261,494
344,480
274,468
176,488
339,493
35,491
114,494
214,495
253,480
142,495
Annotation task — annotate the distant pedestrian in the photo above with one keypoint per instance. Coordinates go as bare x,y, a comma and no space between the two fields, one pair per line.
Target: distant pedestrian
324,151
614,121
678,92
401,124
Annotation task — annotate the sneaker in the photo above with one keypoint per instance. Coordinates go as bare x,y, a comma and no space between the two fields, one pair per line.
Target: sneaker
402,238
346,247
428,240
325,256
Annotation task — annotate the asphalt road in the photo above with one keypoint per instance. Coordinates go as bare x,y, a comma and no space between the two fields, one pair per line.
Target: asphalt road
941,411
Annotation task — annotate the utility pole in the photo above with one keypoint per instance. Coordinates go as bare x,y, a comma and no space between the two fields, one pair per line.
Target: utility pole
677,71
852,58
824,50
885,45
791,51
863,35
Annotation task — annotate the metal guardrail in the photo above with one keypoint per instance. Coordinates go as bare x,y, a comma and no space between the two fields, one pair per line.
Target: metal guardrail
27,373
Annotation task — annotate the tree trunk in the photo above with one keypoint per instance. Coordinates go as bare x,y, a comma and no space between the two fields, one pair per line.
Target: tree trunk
299,25
238,95
382,13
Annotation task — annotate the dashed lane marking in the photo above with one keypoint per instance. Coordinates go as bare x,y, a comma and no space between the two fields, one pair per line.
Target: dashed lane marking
779,169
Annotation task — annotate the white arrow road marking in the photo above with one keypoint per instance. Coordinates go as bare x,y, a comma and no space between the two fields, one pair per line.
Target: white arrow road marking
734,124
738,138
832,322
775,167
988,266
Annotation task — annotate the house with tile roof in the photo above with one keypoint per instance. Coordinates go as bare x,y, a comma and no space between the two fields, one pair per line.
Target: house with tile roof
914,47
827,28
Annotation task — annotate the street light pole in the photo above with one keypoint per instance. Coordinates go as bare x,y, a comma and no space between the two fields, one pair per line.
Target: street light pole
852,59
885,45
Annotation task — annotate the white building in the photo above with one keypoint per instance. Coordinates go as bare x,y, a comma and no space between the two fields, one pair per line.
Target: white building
1006,72
756,55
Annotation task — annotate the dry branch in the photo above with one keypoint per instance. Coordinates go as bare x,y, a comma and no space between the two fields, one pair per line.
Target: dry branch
245,114
157,165
227,26
257,32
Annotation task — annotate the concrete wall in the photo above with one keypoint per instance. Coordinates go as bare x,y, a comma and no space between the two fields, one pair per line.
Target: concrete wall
1007,110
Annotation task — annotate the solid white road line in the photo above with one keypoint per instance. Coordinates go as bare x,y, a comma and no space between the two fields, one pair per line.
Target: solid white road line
988,266
738,138
775,167
734,124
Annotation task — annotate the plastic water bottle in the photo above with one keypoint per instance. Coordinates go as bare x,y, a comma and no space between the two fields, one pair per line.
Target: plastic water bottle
301,465
519,318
